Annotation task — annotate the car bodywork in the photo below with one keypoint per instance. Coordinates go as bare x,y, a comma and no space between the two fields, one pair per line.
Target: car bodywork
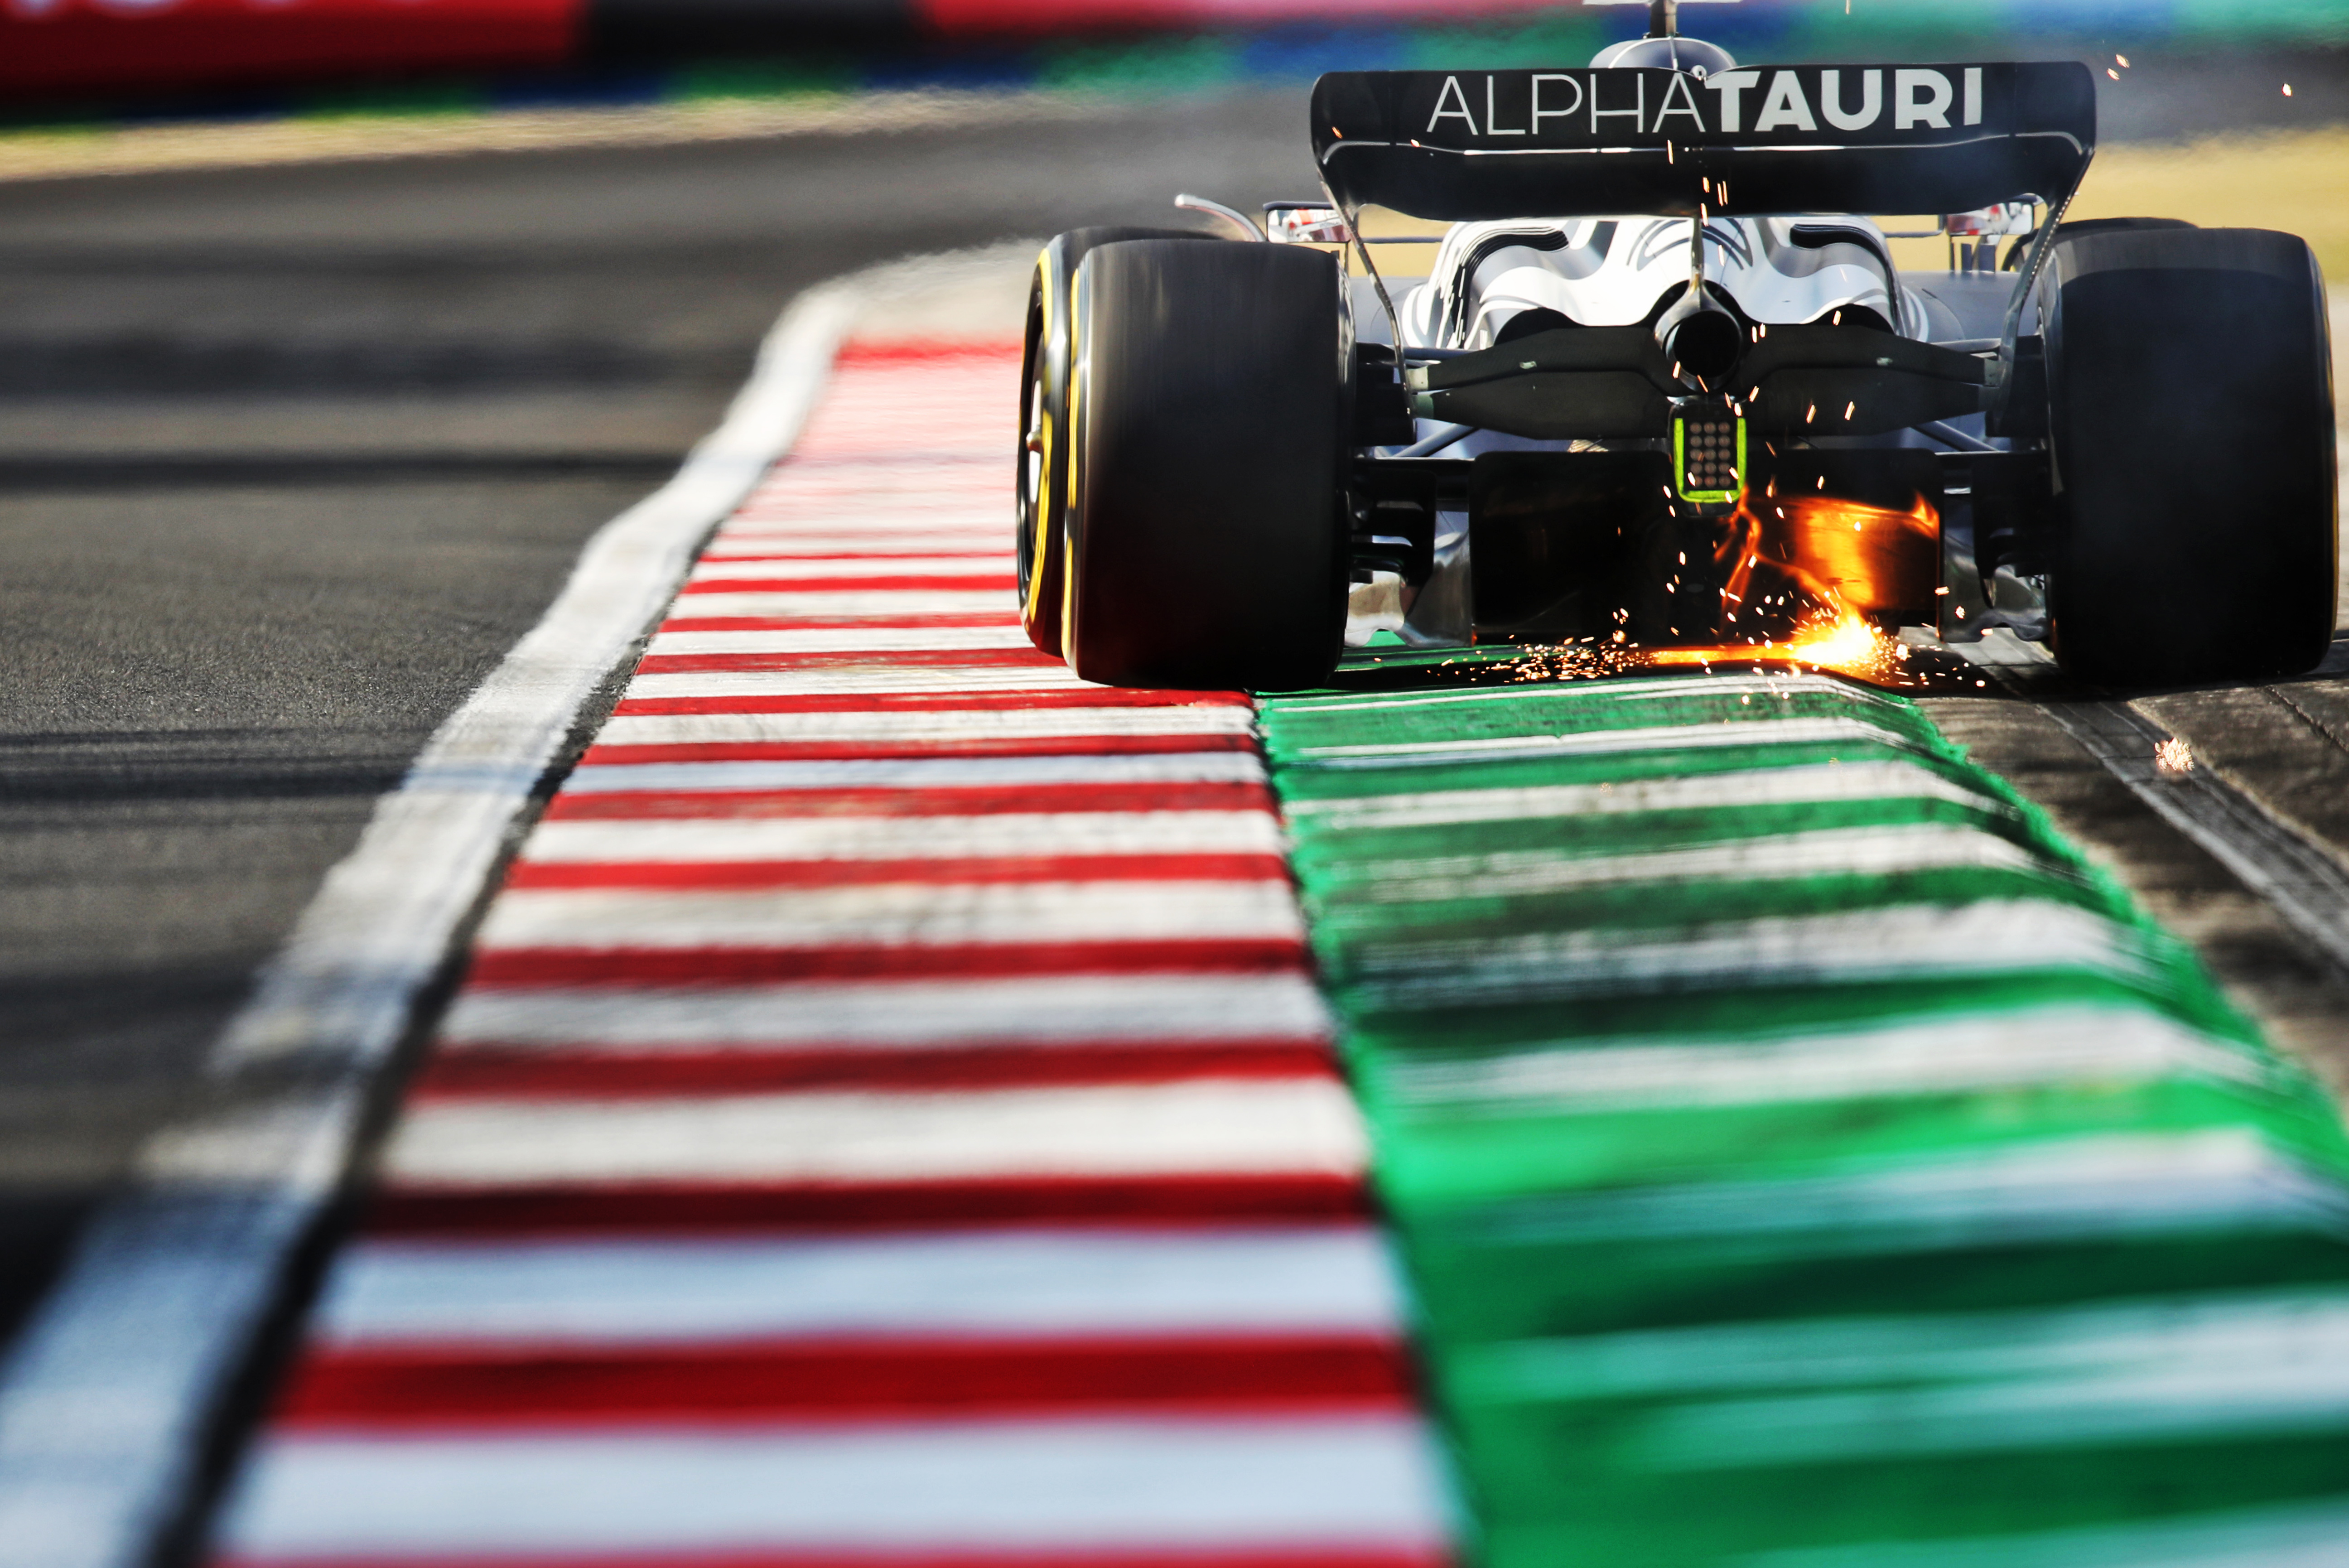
1608,272
1654,409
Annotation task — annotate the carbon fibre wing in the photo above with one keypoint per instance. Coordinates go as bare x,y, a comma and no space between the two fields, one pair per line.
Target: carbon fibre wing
1458,145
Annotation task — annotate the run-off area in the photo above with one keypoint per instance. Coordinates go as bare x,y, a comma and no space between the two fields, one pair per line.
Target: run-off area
891,1118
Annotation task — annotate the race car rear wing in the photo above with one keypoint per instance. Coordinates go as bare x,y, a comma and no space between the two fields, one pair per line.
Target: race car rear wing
1461,146
1465,145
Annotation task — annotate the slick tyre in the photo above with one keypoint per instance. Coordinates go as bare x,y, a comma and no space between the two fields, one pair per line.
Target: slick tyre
2190,419
1040,483
1205,539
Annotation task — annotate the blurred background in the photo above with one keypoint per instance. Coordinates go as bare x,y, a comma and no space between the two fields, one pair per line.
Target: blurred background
326,55
89,85
330,330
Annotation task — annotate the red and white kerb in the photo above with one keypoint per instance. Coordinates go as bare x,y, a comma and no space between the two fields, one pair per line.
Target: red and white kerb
888,1119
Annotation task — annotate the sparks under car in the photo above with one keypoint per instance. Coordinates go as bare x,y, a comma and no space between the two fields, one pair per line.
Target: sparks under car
1660,382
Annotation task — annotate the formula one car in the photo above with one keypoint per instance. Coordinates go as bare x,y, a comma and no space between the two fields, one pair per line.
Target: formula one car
1692,402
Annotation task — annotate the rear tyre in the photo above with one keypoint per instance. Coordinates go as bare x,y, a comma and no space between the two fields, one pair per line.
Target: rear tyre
1040,485
1205,540
2190,418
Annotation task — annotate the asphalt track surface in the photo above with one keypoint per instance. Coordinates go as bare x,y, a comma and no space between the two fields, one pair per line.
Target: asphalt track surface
289,459
2284,745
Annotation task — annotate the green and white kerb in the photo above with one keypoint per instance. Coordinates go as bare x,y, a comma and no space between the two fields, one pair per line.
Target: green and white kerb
1802,1158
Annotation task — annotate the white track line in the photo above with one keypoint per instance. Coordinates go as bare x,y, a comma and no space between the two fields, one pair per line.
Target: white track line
939,726
1740,790
1884,850
1843,948
732,547
1197,1126
1032,1490
920,911
1030,1284
842,639
1717,683
893,1016
905,838
1944,1056
1604,743
993,563
911,500
816,602
875,680
919,773
111,1387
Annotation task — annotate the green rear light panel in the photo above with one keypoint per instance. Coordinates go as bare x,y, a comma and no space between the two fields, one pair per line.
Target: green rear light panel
1709,457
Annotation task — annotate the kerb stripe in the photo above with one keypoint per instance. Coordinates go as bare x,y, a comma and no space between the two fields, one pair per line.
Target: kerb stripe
887,1120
